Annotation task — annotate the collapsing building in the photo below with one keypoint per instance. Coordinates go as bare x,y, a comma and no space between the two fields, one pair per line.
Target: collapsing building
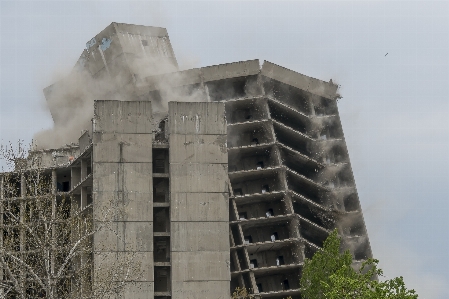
229,175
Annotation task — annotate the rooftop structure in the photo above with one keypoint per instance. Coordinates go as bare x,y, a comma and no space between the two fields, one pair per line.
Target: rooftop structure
234,182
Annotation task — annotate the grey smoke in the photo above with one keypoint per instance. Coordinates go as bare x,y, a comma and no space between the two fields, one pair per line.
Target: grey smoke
71,100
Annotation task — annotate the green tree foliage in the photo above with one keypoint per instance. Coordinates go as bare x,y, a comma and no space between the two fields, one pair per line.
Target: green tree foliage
243,293
329,275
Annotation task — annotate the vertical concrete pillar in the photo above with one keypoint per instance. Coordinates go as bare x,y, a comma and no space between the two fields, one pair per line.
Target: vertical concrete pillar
83,169
83,197
2,197
21,219
252,280
312,107
54,182
122,194
260,83
22,209
75,176
199,201
288,203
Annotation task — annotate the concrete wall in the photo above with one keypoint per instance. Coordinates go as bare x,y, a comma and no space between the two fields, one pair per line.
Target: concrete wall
122,192
199,201
312,85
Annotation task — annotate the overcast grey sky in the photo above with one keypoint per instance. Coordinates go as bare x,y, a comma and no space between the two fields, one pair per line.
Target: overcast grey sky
394,110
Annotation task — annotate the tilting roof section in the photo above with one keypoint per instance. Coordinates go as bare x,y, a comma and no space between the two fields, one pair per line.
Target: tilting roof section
241,69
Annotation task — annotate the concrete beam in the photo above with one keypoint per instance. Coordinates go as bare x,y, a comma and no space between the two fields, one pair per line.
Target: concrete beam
312,85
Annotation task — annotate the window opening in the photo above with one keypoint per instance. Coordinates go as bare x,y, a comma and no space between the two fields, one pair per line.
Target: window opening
260,165
286,285
248,240
65,186
159,166
259,287
274,237
238,192
265,189
269,213
319,111
280,260
89,199
253,264
243,215
161,280
247,113
255,141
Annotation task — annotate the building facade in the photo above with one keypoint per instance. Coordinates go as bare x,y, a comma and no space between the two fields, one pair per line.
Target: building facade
225,176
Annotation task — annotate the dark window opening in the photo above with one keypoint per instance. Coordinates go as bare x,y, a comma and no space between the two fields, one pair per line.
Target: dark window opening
160,160
161,222
63,187
260,165
286,285
280,260
255,141
161,279
274,236
265,189
269,213
253,264
89,199
248,114
160,190
162,249
319,111
248,239
159,166
243,215
238,192
259,287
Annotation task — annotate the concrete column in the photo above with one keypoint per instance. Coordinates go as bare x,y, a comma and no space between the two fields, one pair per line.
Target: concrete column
21,219
294,228
260,83
75,176
312,108
234,211
199,200
288,203
122,186
83,197
235,258
54,182
22,209
245,253
252,280
242,236
22,185
205,88
83,169
2,196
